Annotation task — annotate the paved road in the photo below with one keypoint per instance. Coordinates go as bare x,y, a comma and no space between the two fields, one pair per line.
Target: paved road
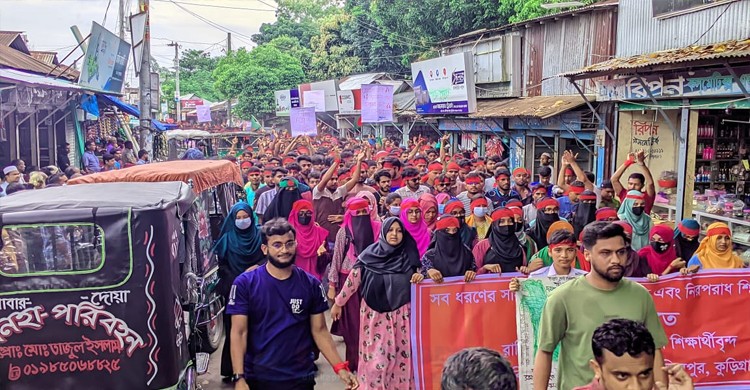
326,379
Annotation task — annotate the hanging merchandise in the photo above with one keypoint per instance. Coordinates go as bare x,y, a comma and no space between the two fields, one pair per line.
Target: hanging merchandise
161,148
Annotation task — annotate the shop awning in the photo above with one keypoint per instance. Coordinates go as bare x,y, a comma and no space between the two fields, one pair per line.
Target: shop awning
19,77
128,109
705,55
538,107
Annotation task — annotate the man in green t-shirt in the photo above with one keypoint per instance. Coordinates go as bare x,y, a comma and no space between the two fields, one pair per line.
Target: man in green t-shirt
574,310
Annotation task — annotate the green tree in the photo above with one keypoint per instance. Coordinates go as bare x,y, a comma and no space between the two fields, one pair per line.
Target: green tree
333,55
253,77
292,46
296,18
519,10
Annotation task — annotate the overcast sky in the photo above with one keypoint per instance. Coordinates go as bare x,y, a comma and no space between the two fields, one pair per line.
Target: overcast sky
47,23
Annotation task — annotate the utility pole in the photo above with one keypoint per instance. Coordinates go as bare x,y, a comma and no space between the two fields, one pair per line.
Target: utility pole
121,18
145,82
177,105
229,99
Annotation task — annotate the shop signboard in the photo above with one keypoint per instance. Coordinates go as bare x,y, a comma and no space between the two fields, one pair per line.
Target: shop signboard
566,121
470,125
314,99
350,102
105,61
303,121
377,103
285,101
648,131
445,85
712,82
329,92
191,104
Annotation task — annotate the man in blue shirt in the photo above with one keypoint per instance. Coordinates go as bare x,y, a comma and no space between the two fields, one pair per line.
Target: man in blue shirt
90,161
502,193
277,320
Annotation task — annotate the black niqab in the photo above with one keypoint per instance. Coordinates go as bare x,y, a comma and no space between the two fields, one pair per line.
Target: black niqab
362,224
585,214
282,203
505,249
387,270
539,231
449,254
685,249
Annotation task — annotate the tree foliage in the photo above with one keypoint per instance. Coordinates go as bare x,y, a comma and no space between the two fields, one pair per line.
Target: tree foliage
253,77
333,55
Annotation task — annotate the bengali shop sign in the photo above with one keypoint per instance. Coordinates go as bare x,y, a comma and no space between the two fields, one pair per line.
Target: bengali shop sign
445,85
705,317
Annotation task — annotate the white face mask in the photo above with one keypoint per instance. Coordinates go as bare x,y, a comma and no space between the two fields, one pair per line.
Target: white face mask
395,210
243,224
480,211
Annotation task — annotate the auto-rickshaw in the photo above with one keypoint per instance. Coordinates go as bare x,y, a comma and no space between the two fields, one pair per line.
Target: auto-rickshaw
217,185
92,292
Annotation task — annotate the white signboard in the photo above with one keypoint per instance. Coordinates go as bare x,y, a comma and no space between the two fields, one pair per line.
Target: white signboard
346,103
445,85
315,99
204,113
285,100
105,62
303,121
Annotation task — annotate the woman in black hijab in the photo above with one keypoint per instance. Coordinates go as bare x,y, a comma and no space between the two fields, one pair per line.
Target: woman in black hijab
382,275
548,212
282,203
585,212
448,255
504,247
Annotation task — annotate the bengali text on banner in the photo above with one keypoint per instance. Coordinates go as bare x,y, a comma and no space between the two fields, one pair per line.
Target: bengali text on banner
705,317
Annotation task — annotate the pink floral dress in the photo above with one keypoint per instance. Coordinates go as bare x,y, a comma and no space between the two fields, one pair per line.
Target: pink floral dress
384,342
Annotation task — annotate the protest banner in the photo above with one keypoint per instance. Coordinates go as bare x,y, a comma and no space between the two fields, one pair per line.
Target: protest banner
705,317
303,121
377,103
203,112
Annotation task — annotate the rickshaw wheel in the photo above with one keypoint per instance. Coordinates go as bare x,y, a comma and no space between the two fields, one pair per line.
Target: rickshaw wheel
212,332
190,381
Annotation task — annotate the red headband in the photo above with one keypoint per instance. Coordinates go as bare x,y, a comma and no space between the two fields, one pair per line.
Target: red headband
418,161
547,202
569,172
687,231
387,165
514,203
479,202
453,167
587,197
577,190
455,205
435,167
520,170
446,222
358,204
381,154
517,211
502,213
606,213
246,164
719,230
474,180
409,203
636,197
411,176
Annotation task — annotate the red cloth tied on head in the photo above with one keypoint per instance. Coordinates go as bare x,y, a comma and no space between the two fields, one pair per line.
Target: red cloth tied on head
564,243
409,203
425,178
474,180
723,230
635,197
479,202
452,166
576,189
606,213
546,203
453,205
587,196
569,172
444,180
381,154
387,165
409,176
446,221
514,203
345,176
502,213
357,204
519,171
288,160
268,171
354,168
688,231
246,164
435,167
303,150
300,205
420,160
664,231
625,225
517,211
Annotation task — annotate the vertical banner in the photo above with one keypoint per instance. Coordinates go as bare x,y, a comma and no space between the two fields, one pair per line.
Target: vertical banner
315,99
303,121
705,317
454,315
377,103
203,112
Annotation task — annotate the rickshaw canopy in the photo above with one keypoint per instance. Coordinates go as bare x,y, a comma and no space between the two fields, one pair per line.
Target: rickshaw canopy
204,174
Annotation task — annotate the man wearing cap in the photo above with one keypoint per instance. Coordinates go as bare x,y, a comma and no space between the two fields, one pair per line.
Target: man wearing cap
412,188
502,193
521,184
545,160
12,175
608,196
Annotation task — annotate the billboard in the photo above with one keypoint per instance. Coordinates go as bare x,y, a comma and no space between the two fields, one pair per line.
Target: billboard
329,91
105,61
286,100
350,102
445,85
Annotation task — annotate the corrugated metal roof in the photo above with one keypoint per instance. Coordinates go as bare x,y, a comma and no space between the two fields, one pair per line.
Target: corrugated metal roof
541,107
17,76
716,51
13,39
349,83
507,27
12,58
48,57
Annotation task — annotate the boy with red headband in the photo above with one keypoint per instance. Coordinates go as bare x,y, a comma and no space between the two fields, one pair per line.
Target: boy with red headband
643,182
564,250
521,185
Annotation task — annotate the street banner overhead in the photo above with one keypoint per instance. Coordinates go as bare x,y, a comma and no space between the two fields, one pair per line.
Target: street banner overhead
445,85
704,316
105,61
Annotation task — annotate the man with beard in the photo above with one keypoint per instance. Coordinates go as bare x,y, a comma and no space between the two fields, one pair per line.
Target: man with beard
474,190
643,182
383,186
545,180
412,189
502,193
591,300
521,185
328,197
278,319
264,195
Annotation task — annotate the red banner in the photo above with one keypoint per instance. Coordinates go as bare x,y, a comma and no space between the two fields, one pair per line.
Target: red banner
706,317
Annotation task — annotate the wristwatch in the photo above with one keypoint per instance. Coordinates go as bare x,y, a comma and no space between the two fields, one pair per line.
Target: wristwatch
235,378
